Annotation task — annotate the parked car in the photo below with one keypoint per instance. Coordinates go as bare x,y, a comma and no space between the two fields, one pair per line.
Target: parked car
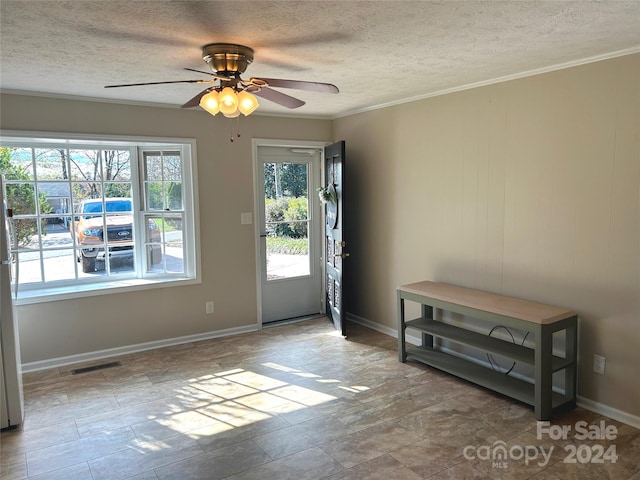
89,223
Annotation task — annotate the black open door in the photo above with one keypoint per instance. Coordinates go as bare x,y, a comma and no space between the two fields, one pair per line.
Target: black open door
336,244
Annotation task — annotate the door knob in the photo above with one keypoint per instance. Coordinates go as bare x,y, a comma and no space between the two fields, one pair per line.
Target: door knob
342,255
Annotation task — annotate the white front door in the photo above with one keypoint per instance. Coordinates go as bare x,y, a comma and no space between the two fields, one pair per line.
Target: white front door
289,227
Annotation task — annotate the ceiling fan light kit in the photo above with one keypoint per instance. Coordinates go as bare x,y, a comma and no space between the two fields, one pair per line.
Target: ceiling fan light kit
228,101
210,102
247,103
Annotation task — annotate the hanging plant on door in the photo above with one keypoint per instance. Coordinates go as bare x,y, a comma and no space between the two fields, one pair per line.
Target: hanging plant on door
327,194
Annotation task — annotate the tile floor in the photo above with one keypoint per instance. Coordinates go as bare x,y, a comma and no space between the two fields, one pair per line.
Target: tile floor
293,402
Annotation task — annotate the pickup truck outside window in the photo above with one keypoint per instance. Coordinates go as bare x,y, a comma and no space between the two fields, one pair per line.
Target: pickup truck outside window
90,225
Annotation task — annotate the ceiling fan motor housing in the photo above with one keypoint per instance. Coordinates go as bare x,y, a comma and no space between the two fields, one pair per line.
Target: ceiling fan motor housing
227,58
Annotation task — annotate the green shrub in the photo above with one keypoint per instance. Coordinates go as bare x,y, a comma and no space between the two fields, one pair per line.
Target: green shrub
286,209
297,210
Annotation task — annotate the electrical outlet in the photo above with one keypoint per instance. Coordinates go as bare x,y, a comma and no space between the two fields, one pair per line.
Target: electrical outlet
599,363
208,307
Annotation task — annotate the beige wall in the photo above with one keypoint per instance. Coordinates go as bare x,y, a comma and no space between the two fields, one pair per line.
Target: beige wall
225,183
528,188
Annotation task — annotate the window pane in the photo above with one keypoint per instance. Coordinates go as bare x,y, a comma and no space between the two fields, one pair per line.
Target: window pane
85,190
54,198
85,165
21,197
174,195
59,265
117,190
116,165
29,271
163,185
153,243
25,231
20,164
120,260
172,166
174,260
155,196
52,164
153,165
164,243
55,235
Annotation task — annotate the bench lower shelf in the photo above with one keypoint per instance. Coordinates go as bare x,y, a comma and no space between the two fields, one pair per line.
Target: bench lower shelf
483,376
483,342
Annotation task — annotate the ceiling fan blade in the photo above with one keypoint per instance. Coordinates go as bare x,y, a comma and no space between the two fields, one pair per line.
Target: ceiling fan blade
195,101
158,83
198,71
215,75
278,97
298,85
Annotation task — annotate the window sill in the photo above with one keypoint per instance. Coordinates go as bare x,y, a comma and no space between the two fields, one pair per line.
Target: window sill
27,297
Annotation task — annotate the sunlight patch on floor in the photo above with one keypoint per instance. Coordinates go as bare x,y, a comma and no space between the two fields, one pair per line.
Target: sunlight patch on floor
294,371
238,398
184,422
355,388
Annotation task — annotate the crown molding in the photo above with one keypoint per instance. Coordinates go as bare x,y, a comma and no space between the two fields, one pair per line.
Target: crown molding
505,78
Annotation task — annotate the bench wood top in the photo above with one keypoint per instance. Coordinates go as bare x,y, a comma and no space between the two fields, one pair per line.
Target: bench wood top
489,302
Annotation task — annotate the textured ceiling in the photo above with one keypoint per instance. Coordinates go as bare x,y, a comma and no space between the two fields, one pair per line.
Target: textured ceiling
376,52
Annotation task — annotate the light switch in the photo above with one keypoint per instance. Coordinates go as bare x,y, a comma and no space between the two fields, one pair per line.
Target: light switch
246,218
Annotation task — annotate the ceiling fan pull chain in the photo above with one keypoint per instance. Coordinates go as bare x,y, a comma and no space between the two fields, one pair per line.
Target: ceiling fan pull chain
231,138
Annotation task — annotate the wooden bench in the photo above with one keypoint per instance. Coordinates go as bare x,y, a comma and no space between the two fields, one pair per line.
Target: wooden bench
540,320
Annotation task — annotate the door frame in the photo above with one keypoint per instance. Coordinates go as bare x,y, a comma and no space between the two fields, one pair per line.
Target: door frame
265,142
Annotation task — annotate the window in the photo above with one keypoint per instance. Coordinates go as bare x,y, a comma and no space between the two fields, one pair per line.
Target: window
91,215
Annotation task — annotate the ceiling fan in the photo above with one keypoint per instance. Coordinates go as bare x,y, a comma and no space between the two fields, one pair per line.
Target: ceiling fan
232,95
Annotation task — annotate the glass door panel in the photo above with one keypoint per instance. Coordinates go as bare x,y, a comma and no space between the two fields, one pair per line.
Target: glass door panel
286,190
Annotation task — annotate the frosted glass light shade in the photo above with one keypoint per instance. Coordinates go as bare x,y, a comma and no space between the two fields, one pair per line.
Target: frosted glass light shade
232,115
247,103
210,102
228,101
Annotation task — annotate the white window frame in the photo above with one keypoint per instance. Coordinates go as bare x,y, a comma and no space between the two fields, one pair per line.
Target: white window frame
191,234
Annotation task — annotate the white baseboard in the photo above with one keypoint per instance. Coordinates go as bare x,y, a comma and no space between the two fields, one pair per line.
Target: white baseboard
608,411
586,403
392,332
140,347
